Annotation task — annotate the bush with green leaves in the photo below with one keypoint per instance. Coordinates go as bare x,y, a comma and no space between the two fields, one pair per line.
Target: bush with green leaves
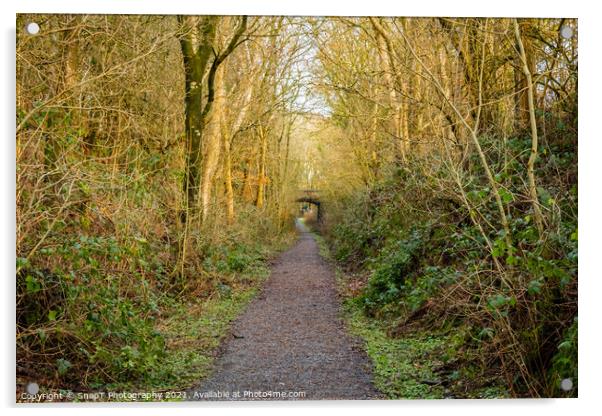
93,320
392,268
419,244
565,364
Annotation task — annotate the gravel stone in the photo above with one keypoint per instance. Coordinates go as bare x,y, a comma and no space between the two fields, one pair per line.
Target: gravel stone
291,339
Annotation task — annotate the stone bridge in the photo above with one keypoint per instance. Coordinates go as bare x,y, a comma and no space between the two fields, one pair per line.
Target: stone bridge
312,196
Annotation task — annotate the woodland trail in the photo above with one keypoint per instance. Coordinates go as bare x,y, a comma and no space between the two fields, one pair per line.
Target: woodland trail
291,339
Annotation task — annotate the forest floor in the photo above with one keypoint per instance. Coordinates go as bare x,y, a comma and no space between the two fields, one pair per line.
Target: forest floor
291,342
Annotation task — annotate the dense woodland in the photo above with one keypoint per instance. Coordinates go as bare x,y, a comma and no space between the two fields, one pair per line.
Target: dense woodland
159,160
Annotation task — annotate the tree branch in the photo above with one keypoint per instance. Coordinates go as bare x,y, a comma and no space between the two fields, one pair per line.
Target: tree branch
234,42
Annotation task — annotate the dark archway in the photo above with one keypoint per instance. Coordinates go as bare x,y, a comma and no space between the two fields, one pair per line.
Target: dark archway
315,202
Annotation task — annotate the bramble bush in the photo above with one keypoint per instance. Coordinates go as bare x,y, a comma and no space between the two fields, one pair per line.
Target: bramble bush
423,253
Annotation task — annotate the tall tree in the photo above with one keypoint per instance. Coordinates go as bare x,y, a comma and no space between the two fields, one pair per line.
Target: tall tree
201,59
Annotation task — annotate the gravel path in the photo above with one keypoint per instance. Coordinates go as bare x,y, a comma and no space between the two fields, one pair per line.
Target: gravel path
291,339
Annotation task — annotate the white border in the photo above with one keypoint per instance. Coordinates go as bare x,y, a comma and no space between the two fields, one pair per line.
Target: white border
509,8
590,153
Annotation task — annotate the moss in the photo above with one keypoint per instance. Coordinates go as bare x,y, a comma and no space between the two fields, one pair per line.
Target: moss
403,368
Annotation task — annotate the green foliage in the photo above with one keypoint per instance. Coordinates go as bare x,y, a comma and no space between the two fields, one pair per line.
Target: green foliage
192,331
565,364
396,262
412,366
235,259
63,366
426,284
105,307
369,219
399,364
430,266
399,277
116,333
500,304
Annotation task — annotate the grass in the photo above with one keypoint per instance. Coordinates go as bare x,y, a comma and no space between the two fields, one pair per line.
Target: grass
421,364
194,329
193,332
403,368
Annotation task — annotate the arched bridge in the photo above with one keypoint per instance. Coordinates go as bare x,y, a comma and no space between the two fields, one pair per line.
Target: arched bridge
312,196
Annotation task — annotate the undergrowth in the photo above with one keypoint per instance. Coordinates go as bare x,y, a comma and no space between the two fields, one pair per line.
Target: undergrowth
422,364
419,271
100,309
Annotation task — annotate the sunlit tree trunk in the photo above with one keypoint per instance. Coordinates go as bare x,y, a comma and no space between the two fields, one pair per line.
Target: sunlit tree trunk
234,129
537,215
391,81
522,85
229,190
213,135
247,186
262,178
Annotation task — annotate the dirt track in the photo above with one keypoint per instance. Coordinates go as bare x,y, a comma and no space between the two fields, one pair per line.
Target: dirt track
291,339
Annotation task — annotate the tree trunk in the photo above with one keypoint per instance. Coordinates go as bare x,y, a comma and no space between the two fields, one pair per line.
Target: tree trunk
213,134
227,140
521,82
261,181
537,215
393,82
196,44
229,191
485,164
